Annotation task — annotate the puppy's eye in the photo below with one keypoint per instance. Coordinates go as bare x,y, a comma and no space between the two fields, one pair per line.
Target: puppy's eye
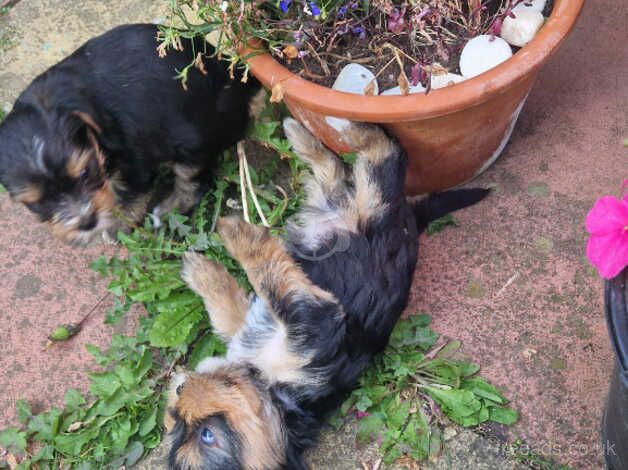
84,173
207,436
178,389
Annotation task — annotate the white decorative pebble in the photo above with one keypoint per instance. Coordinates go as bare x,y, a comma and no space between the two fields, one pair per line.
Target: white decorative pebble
447,79
538,5
353,78
482,53
397,90
339,124
521,29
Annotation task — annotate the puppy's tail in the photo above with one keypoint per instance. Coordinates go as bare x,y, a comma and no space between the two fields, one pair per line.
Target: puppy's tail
438,205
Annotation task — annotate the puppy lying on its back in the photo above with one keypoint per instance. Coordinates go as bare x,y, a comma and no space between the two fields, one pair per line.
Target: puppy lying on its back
325,302
89,134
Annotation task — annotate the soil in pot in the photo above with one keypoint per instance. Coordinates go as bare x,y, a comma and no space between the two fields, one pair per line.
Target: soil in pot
422,40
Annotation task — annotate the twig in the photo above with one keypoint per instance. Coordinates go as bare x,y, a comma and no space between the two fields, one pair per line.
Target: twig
168,371
505,286
87,315
242,158
324,65
216,214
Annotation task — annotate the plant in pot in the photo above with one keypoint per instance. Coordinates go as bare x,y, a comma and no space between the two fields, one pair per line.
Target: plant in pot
440,75
607,249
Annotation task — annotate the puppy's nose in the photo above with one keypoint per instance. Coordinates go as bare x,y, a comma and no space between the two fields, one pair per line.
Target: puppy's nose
88,222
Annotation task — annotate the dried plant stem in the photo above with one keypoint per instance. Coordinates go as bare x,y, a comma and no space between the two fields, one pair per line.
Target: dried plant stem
245,204
244,167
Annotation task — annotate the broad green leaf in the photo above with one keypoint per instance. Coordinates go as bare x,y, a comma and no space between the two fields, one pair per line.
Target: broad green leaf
121,431
73,399
369,428
23,410
148,423
467,369
425,338
348,404
455,403
208,346
503,415
397,414
336,420
171,328
46,425
13,440
483,389
363,403
449,349
103,384
101,266
72,443
127,375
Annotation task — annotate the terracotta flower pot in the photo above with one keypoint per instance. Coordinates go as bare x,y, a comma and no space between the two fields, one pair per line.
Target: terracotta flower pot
452,134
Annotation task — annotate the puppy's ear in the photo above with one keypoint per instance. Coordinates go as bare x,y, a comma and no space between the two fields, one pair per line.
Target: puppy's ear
88,120
84,131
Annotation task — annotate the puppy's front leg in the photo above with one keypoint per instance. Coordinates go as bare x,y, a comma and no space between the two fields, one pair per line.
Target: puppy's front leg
224,300
186,193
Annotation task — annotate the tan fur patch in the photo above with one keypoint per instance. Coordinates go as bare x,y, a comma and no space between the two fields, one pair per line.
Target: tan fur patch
229,392
185,193
77,163
224,300
266,261
258,104
87,119
367,202
370,141
28,194
103,199
327,168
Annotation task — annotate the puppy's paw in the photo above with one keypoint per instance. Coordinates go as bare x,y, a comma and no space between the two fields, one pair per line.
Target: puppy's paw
201,275
305,145
109,238
240,238
360,134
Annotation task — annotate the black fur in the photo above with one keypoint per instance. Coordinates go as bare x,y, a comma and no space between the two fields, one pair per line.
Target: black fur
365,261
144,116
371,279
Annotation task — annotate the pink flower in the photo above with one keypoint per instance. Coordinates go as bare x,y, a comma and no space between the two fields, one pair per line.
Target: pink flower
361,414
607,222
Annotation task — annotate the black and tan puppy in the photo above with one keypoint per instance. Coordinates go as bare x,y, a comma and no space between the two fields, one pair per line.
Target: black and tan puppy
325,302
90,134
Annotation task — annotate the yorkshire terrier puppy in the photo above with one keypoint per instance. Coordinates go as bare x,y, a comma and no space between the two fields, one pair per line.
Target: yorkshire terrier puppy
325,301
89,135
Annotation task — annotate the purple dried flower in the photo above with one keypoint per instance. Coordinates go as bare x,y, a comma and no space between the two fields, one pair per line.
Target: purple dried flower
396,20
359,31
284,5
314,9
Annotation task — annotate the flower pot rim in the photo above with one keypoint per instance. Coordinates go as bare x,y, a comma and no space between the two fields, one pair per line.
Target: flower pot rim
382,109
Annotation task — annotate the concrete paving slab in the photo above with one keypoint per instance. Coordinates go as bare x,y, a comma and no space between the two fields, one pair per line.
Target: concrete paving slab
512,282
44,283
